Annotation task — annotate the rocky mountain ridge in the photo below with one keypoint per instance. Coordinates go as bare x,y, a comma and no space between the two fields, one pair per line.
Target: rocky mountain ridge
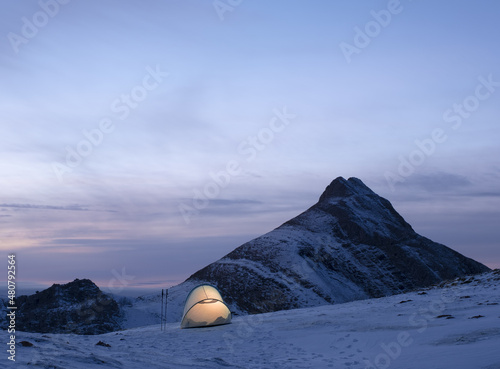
350,245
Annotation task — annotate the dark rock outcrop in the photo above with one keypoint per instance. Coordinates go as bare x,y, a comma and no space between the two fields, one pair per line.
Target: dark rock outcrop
76,307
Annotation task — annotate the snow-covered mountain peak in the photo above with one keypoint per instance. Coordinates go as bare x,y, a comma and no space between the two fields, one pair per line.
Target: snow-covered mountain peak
359,215
341,188
352,244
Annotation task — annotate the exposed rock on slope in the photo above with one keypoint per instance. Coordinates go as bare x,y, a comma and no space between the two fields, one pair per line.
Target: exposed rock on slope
350,245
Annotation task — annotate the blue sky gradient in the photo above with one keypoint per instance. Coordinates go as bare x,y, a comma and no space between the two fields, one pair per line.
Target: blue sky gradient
117,115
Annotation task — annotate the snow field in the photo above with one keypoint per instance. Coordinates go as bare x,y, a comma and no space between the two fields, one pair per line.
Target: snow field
453,326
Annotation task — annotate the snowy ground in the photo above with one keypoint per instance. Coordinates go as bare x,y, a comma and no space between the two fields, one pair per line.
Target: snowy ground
457,326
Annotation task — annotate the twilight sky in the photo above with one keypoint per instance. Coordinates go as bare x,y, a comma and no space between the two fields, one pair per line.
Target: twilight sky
141,141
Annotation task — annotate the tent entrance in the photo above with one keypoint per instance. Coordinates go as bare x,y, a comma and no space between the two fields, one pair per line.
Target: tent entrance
204,307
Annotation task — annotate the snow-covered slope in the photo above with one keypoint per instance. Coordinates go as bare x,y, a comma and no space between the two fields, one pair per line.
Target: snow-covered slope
351,245
146,310
456,325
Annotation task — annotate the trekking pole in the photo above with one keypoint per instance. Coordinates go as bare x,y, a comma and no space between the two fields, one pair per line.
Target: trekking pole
166,299
161,313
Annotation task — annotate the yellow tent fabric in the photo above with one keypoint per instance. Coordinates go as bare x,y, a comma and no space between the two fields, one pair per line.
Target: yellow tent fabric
204,307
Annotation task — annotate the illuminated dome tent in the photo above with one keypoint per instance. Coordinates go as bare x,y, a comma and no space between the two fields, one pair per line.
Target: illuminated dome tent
204,307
